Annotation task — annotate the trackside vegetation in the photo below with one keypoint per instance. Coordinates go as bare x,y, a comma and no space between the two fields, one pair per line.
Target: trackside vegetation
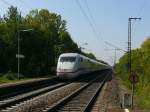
140,66
41,46
11,77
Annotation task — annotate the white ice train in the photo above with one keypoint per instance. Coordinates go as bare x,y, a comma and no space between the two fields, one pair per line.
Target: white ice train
71,65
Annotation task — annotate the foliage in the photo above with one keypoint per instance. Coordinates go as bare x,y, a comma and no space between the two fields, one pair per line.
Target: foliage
40,46
12,76
90,55
141,66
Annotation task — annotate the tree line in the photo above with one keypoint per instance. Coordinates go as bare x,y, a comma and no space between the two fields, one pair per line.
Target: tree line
41,46
141,66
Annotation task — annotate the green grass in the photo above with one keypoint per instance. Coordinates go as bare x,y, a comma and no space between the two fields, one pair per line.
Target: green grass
11,78
142,97
4,80
142,94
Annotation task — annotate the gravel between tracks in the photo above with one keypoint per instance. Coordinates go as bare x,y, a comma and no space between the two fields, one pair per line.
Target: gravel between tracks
39,103
108,98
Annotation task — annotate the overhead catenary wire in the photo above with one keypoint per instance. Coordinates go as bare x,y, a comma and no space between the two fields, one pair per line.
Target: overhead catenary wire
92,25
9,4
25,4
89,11
6,2
92,18
87,18
115,47
139,14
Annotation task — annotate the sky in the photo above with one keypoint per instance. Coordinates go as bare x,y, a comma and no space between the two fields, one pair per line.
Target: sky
95,22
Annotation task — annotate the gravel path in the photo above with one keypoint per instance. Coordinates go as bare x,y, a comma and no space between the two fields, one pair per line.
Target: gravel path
108,98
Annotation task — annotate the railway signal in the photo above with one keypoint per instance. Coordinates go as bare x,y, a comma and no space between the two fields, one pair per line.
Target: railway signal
133,77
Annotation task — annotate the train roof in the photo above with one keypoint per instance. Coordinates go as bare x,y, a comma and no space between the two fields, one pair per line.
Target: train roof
76,54
69,54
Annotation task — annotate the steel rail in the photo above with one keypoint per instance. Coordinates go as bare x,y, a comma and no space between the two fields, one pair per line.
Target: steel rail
23,104
65,101
20,88
20,98
93,98
12,101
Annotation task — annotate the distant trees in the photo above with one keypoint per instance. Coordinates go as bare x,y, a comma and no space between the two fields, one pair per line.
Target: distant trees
41,46
141,66
140,62
90,55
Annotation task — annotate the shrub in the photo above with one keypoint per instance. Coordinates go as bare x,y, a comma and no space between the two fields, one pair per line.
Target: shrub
12,76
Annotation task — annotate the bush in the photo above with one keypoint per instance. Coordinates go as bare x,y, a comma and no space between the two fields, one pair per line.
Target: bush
12,76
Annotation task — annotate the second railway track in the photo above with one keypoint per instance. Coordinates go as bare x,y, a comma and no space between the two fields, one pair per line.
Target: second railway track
23,95
80,100
10,90
19,98
52,100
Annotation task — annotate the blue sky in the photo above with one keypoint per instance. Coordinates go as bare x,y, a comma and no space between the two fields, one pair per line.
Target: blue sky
109,19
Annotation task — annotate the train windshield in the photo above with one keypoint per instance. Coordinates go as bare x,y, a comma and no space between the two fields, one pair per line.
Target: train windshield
67,59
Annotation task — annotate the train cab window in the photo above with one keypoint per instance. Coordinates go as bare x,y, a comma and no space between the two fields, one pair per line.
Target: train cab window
67,59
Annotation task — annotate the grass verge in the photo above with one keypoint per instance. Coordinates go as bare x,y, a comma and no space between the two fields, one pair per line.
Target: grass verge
141,95
11,78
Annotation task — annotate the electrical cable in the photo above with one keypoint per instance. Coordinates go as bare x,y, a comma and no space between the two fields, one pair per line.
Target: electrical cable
6,2
9,4
139,14
25,4
91,16
87,18
90,23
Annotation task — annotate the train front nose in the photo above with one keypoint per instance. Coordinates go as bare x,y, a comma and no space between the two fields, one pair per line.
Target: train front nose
66,65
65,69
62,75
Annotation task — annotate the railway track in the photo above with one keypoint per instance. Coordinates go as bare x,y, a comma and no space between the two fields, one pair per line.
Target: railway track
13,98
19,98
10,90
45,98
80,100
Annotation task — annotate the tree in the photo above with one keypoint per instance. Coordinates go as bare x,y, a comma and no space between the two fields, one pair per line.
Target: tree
40,47
90,55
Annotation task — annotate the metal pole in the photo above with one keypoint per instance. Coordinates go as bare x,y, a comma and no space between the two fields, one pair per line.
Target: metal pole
115,57
19,49
18,54
129,46
129,58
